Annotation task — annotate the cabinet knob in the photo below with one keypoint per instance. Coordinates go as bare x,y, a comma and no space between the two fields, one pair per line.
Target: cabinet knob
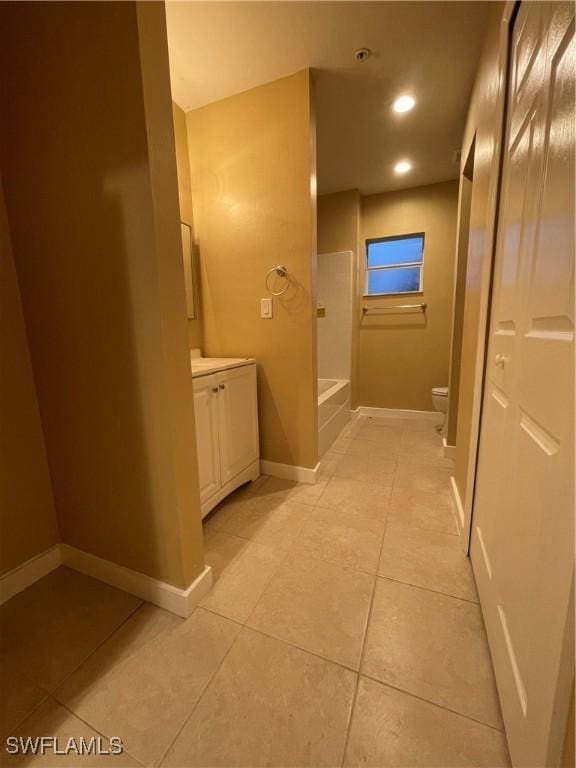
215,389
222,386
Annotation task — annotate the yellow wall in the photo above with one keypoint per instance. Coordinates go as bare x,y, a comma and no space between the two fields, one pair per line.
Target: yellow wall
185,198
339,230
484,123
27,516
402,357
91,196
252,157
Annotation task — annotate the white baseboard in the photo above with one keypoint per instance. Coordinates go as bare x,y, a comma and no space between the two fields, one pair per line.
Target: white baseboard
27,573
397,413
457,507
449,450
167,596
289,471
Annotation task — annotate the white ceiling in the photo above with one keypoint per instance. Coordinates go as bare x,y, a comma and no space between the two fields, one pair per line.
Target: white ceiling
429,49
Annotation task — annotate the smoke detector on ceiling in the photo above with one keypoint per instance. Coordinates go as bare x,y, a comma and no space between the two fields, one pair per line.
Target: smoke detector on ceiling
362,55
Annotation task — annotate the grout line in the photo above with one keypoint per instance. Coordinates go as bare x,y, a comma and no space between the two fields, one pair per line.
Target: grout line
426,589
59,685
93,728
12,730
199,699
432,703
363,650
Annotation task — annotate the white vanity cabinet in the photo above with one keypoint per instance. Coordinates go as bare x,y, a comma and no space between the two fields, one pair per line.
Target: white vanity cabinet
226,412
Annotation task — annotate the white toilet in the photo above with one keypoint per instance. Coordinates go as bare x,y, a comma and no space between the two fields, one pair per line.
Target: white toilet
440,399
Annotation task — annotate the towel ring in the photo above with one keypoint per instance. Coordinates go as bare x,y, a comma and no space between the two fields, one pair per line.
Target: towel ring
280,272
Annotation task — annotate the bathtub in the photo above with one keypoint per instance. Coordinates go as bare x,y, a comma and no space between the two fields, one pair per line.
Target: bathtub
333,411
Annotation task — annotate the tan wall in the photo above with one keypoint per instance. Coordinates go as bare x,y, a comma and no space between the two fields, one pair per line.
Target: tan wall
195,338
252,156
402,357
27,515
91,195
339,230
464,202
484,123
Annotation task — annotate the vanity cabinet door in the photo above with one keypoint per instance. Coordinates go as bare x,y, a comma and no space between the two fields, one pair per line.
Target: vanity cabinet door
238,416
206,416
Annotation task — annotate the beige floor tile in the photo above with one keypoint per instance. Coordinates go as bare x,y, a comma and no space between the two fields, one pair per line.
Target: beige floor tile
426,424
425,447
384,438
328,464
242,570
18,697
146,698
268,705
339,543
369,468
418,509
50,628
341,444
268,520
433,646
390,728
419,476
427,559
317,606
363,520
366,498
277,491
51,719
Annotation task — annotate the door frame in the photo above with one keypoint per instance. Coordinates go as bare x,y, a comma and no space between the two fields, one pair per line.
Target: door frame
467,504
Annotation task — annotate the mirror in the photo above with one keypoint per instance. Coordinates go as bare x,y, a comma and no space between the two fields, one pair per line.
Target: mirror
186,231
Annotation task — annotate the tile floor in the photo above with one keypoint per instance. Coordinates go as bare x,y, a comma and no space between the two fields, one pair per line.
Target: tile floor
343,630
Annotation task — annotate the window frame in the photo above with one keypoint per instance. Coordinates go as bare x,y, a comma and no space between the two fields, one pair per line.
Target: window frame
419,264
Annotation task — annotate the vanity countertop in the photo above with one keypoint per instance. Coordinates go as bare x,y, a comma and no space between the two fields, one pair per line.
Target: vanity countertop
203,366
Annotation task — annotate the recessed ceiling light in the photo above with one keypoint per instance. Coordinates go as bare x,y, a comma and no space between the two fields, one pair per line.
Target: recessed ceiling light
403,103
402,167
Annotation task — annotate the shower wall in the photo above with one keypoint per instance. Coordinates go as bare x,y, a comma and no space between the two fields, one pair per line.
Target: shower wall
335,315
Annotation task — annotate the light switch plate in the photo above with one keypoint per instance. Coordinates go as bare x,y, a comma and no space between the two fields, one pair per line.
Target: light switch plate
266,309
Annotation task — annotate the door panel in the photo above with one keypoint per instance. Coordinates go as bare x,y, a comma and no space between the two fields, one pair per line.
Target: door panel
206,417
238,415
523,529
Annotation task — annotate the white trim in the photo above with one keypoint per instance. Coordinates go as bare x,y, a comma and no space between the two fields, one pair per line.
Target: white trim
449,450
167,596
27,573
289,471
252,472
396,413
458,509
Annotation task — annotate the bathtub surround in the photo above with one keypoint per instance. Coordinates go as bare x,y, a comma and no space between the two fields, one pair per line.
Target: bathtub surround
339,230
252,166
91,199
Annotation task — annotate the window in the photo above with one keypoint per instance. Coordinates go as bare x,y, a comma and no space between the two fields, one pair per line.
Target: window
394,264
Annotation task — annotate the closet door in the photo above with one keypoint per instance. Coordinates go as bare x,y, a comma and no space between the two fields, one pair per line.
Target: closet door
523,520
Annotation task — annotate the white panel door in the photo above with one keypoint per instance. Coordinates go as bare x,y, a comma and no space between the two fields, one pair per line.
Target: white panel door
206,416
238,418
523,521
